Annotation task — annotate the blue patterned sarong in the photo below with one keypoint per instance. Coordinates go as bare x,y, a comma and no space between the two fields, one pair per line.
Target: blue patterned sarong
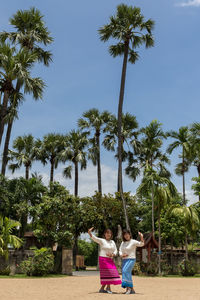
127,267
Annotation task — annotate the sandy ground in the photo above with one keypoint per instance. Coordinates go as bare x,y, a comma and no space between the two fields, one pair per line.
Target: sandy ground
86,288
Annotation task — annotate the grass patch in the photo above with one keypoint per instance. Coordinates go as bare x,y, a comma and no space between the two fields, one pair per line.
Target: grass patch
35,277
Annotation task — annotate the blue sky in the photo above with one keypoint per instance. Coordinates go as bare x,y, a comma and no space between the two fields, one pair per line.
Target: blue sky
162,85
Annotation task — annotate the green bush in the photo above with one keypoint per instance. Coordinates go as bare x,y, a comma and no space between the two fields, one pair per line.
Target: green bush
90,252
5,271
187,268
152,268
166,268
40,264
137,269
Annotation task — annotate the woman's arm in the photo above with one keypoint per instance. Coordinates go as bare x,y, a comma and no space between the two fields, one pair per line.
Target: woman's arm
141,243
120,251
93,237
115,251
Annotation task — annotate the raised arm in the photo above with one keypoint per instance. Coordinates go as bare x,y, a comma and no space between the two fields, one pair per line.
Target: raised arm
93,237
141,243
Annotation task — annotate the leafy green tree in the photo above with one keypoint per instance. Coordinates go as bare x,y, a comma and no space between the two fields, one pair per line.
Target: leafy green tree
52,218
190,218
163,190
173,229
95,122
131,30
24,154
6,237
75,152
17,196
196,186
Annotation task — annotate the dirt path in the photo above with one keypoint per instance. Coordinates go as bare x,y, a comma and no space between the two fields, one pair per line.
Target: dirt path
85,288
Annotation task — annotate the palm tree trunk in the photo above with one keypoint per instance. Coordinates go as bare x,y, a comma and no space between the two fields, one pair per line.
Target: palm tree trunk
152,212
27,172
183,162
98,162
120,109
76,179
198,170
3,114
52,170
171,255
6,147
75,250
159,243
186,246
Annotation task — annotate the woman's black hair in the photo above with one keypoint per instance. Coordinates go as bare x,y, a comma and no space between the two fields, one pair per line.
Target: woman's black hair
124,232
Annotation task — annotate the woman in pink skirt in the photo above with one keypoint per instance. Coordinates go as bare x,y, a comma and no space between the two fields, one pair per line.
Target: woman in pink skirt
108,271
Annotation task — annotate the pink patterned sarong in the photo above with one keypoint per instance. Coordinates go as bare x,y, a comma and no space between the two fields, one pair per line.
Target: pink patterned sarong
108,271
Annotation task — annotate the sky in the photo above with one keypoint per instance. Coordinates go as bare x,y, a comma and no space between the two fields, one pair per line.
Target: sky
164,84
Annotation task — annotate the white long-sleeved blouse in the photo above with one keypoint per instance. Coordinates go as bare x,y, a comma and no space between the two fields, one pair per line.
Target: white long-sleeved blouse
105,246
129,247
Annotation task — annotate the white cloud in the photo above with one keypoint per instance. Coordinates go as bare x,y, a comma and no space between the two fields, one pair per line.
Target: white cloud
194,3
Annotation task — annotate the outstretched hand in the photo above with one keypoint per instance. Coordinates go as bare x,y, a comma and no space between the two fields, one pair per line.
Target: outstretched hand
140,234
90,230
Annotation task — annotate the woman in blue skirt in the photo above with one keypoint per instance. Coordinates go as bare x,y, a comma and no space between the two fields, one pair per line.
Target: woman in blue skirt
127,251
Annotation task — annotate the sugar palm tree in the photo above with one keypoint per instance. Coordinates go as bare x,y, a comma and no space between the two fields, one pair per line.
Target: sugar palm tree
94,121
163,190
75,153
182,139
6,237
50,149
149,156
130,30
14,65
150,153
30,34
129,134
191,221
24,153
12,114
195,148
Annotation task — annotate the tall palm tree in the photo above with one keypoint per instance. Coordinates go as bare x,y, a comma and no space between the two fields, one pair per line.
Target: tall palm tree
6,237
191,221
195,148
50,149
14,65
149,156
164,190
131,30
94,121
74,152
30,33
182,139
12,114
129,134
24,154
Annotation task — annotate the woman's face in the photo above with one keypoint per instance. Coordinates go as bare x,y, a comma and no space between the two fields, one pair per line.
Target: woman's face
127,236
108,235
